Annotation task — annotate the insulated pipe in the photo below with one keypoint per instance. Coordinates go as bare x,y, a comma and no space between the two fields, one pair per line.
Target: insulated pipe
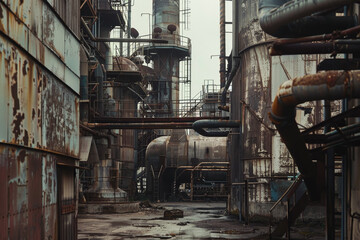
329,85
199,126
284,18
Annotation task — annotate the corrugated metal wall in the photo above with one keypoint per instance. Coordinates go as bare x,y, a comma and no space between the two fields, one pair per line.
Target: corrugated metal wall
39,83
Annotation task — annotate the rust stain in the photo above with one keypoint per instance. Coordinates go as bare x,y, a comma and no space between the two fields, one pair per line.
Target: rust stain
14,92
44,81
26,138
2,28
21,156
25,69
16,123
331,79
39,77
42,53
33,114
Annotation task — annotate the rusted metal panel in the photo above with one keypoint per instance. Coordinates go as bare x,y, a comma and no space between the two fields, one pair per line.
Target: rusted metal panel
60,117
53,32
34,181
4,89
24,210
18,31
54,63
72,80
37,49
3,18
29,13
49,197
25,108
18,209
72,53
69,12
71,117
4,192
73,16
35,21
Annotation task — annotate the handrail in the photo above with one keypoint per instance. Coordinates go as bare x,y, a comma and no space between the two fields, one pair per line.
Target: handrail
290,191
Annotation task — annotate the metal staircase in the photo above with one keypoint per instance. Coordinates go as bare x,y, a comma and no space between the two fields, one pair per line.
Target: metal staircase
296,198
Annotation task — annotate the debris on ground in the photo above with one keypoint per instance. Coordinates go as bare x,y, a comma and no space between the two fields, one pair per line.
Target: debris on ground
173,214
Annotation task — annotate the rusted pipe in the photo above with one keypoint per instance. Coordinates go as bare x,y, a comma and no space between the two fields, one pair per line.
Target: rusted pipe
315,48
335,35
199,126
285,18
328,85
139,125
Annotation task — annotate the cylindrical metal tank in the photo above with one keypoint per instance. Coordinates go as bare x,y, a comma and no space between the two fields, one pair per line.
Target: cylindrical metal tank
165,91
257,153
39,136
168,154
165,13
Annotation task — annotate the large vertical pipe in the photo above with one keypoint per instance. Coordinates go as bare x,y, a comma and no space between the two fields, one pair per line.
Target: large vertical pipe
222,43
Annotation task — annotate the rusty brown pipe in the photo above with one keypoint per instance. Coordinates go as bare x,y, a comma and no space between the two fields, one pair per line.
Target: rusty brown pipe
329,85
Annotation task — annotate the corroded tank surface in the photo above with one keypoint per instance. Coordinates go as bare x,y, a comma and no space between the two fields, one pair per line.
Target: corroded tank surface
166,12
161,151
39,86
262,154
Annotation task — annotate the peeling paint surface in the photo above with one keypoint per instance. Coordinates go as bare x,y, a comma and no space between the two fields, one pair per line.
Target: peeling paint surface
39,113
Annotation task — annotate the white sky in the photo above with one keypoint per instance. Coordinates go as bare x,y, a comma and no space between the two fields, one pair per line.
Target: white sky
204,34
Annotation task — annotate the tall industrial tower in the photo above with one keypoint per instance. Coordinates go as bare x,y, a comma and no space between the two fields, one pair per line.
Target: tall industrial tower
164,96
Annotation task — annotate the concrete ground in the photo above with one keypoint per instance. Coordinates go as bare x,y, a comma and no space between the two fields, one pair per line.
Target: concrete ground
202,220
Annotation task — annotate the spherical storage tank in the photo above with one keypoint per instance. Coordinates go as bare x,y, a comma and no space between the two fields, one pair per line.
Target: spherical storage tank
167,156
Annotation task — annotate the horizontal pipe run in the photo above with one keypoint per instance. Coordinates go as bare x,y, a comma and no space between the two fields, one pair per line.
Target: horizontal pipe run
340,134
330,85
168,125
199,126
315,48
284,18
94,39
323,37
154,120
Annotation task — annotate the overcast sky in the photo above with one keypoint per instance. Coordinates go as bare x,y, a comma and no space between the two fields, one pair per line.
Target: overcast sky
204,34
